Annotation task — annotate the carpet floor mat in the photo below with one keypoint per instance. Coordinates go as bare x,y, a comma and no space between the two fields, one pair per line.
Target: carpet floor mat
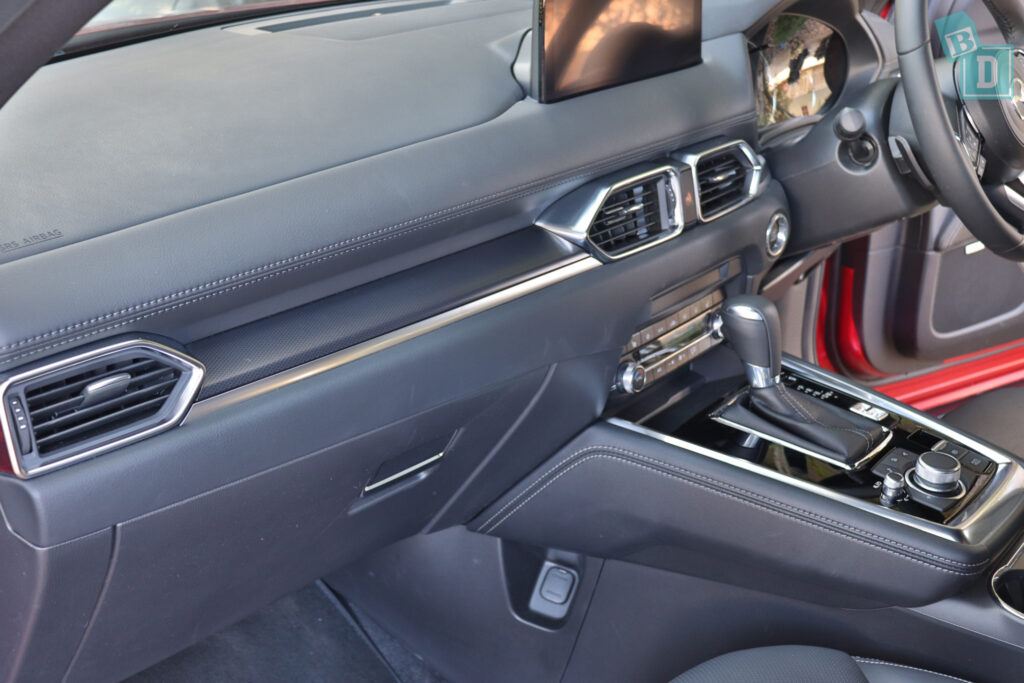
306,636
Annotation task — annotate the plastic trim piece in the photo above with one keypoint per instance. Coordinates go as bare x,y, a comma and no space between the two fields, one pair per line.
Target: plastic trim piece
576,265
1009,475
192,372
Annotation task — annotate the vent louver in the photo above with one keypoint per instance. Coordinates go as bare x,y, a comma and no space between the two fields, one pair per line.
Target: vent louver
99,401
727,178
634,215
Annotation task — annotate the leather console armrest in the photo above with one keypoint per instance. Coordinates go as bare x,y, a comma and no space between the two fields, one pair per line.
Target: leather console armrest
615,493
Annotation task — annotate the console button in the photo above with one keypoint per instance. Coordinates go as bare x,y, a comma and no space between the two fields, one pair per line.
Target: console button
896,460
975,463
969,459
951,448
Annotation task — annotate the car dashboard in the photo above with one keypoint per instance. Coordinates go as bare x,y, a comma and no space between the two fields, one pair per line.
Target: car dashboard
400,293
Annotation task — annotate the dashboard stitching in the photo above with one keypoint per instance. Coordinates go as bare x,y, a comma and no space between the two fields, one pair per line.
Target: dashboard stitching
766,502
306,258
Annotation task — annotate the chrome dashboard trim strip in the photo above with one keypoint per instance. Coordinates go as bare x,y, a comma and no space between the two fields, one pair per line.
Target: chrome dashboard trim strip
1009,474
192,378
404,473
572,267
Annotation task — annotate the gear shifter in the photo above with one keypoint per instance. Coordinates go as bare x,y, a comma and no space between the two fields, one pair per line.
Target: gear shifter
751,326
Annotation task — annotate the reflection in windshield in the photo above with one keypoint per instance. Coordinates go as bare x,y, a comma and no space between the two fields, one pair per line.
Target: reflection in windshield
793,72
127,12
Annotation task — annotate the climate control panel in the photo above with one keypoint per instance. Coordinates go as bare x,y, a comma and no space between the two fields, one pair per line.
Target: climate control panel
669,343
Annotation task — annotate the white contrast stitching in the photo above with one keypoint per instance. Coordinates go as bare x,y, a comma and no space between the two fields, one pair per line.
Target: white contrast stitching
766,503
448,213
865,660
784,392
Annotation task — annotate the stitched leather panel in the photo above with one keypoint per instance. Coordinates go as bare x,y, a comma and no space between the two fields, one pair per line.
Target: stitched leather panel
193,271
617,494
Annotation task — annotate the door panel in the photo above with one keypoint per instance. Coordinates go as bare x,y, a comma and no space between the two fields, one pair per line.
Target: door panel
955,296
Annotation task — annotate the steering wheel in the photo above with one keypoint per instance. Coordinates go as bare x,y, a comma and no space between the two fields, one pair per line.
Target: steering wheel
986,194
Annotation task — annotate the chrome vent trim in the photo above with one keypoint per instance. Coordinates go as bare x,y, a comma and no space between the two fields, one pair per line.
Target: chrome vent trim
92,402
574,216
755,175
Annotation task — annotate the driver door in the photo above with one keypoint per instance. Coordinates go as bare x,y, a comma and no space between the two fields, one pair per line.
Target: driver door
921,309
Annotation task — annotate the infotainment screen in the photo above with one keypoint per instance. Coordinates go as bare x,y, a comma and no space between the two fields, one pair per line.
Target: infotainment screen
585,45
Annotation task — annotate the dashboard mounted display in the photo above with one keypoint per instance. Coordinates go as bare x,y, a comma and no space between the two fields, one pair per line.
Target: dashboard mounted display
584,45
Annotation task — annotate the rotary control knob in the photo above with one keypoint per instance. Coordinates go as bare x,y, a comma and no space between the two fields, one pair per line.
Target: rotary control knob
937,472
631,377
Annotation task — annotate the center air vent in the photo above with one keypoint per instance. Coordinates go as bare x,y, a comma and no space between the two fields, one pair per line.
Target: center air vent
727,178
621,214
95,402
634,215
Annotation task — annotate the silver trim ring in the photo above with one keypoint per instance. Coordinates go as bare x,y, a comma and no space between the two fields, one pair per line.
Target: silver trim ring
191,379
752,186
776,236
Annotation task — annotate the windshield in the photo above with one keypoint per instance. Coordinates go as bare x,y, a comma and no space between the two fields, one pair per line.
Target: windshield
125,13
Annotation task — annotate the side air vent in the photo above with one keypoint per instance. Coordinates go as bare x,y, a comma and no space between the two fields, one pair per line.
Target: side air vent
95,402
622,214
634,215
728,177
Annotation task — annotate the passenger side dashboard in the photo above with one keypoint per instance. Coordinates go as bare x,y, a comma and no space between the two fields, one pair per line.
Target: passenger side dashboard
389,341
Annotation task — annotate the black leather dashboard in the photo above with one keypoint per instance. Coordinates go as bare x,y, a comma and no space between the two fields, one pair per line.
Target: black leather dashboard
270,191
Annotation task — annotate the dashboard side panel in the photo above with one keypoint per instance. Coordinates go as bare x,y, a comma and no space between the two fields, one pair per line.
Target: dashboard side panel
233,439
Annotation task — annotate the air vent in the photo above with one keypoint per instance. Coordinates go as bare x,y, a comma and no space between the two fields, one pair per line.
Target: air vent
727,178
621,214
635,214
97,401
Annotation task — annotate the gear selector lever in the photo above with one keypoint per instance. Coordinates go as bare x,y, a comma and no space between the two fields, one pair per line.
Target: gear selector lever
750,324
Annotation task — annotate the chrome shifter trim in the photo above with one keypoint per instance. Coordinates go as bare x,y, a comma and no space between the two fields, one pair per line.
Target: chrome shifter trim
877,450
760,377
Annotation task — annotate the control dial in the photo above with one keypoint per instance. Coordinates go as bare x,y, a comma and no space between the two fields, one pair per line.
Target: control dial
937,472
631,378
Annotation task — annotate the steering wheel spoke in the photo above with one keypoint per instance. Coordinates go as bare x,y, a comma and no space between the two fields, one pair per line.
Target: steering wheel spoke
981,141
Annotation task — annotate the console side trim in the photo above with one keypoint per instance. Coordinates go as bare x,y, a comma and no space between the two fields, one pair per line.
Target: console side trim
573,266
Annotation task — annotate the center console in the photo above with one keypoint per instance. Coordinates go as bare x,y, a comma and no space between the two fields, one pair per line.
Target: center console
811,428
926,475
749,467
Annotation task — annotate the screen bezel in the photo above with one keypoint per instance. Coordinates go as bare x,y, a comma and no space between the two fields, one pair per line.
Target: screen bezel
537,84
